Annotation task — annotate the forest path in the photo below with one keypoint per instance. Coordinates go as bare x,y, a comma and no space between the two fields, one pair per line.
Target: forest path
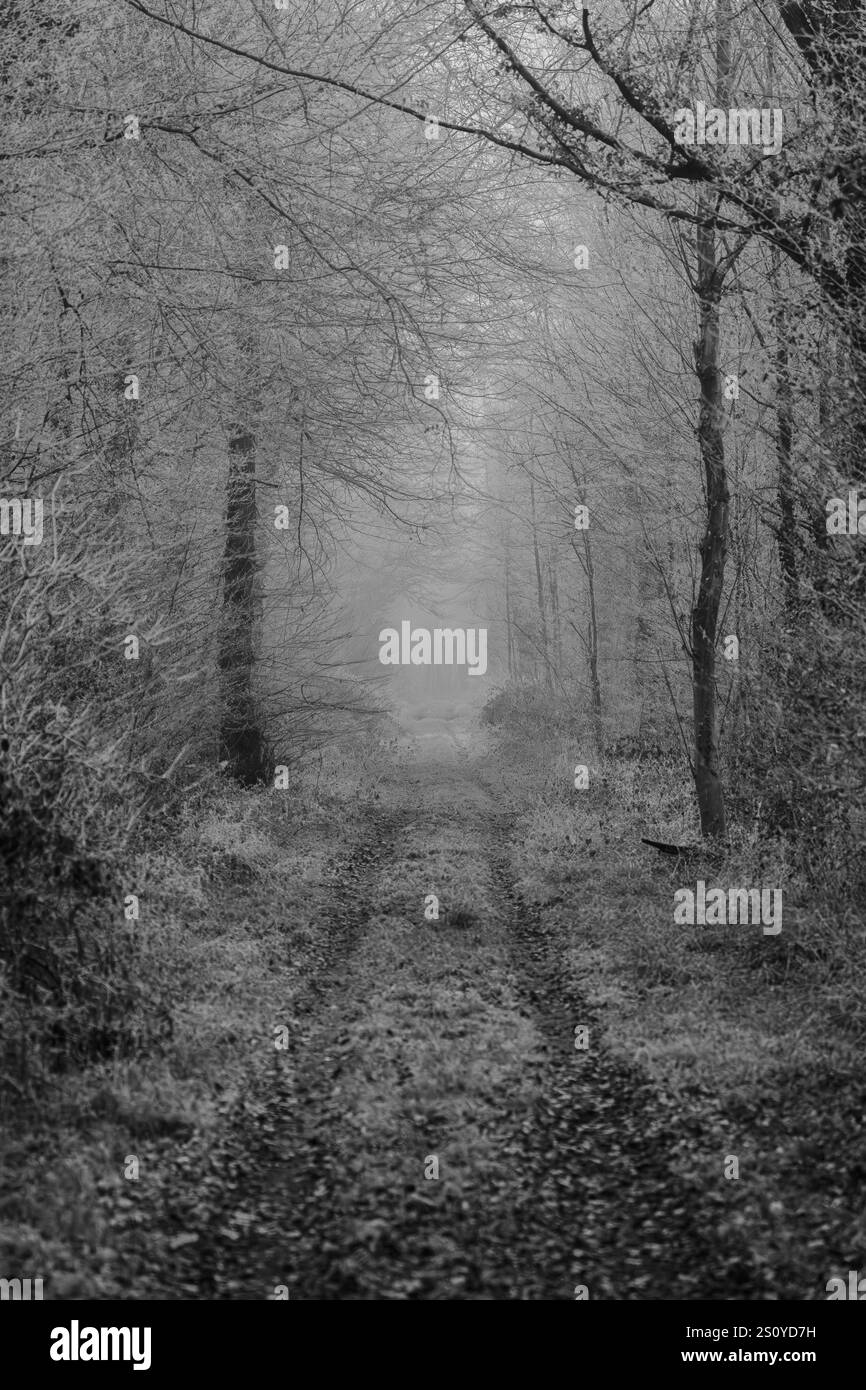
447,1047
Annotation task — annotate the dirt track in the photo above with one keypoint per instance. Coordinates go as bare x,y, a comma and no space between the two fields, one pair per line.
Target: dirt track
446,1045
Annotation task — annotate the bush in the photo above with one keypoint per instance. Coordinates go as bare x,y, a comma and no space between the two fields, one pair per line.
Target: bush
69,791
535,708
799,770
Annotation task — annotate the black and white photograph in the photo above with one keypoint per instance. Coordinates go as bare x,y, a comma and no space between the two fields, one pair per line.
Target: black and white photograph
432,665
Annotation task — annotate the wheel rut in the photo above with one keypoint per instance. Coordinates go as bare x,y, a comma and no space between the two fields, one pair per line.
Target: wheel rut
431,1132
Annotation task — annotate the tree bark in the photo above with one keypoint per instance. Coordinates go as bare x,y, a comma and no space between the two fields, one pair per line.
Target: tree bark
714,543
512,657
829,34
548,674
713,546
594,683
786,535
242,744
553,590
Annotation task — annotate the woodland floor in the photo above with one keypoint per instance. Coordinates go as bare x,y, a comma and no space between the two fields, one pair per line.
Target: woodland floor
411,1039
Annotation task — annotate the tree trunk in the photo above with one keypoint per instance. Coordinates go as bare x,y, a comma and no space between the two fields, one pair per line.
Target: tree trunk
713,546
242,744
592,651
548,675
829,34
553,590
786,536
512,661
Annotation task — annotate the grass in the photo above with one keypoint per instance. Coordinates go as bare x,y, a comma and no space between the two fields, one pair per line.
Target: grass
229,898
759,1036
715,1006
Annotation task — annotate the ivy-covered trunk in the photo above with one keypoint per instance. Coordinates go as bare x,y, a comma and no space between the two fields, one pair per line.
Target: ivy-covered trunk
242,744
